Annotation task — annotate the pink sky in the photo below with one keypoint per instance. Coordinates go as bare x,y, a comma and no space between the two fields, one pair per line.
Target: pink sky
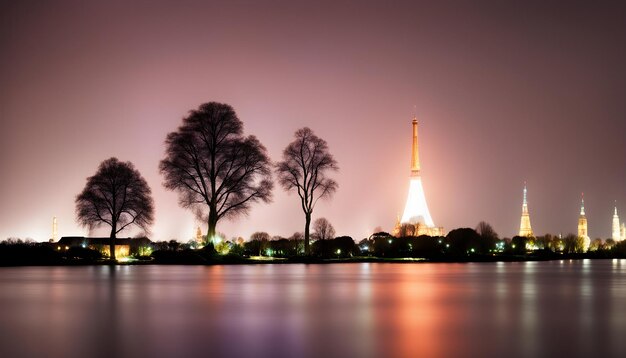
504,94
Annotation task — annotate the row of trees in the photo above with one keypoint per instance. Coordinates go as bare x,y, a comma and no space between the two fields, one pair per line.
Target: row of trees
464,243
460,244
216,171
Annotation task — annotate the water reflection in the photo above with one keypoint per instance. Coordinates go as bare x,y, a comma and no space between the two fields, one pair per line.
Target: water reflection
567,308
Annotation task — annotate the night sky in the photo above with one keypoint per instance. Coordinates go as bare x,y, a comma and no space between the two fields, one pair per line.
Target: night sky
505,93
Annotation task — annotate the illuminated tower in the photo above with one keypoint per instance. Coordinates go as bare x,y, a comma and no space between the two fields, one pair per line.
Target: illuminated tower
524,226
199,236
416,210
623,232
582,225
582,220
54,237
617,235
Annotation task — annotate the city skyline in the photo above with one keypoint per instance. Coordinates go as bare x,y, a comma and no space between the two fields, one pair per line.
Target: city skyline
504,95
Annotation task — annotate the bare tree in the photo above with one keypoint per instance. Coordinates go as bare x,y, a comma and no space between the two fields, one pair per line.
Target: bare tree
118,196
486,231
213,166
304,168
323,229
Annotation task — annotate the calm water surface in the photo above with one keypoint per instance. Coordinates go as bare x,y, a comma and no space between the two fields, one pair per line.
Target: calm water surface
532,309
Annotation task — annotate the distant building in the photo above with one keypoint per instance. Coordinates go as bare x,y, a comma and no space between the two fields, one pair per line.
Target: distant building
524,228
617,234
416,210
124,247
623,232
55,236
582,226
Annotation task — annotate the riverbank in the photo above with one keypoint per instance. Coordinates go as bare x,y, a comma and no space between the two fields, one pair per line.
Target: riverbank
190,259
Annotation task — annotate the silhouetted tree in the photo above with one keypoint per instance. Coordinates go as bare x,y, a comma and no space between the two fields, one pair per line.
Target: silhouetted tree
486,231
306,162
173,245
323,229
212,165
518,244
298,239
342,246
260,241
462,241
118,196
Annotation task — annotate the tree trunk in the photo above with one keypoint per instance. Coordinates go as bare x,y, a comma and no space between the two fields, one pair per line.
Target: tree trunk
306,234
212,225
112,242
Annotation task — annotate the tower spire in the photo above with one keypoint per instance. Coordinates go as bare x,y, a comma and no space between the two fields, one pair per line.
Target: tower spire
416,210
415,160
524,227
616,232
582,204
582,224
54,237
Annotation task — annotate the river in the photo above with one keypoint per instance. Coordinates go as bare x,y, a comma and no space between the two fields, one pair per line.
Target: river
520,309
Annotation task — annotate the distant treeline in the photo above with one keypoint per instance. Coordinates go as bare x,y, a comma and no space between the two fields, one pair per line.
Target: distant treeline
464,244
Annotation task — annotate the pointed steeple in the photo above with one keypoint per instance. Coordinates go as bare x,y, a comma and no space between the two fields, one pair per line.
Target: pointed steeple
582,204
616,232
525,202
415,159
524,227
582,219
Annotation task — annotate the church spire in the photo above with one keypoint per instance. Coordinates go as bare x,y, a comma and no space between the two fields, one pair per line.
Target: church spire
582,204
415,160
582,224
616,232
524,227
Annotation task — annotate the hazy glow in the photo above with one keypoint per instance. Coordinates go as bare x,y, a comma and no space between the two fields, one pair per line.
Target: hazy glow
86,80
416,210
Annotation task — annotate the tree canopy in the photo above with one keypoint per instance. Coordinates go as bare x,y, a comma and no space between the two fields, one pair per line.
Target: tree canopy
304,169
117,196
323,229
216,170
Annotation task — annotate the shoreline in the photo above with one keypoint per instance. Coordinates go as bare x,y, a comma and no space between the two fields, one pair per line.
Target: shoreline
312,261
